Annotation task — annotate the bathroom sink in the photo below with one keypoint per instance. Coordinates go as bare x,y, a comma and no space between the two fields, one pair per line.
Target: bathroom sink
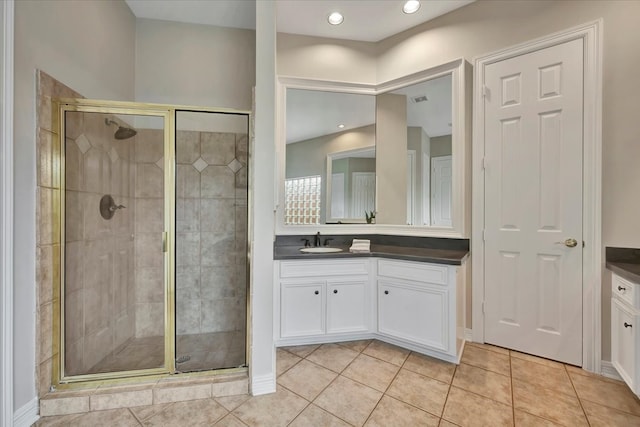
320,250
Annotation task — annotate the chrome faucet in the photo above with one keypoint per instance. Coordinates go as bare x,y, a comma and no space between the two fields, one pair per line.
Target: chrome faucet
316,242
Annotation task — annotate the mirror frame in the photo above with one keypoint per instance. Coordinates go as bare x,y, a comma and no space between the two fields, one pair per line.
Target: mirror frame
460,71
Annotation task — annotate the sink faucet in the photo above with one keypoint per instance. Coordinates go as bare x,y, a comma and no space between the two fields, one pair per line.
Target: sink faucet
316,242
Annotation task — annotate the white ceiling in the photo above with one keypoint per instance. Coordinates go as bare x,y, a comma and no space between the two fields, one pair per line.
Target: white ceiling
370,20
221,13
364,20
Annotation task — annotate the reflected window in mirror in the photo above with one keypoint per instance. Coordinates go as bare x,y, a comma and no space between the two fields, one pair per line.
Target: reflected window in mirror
302,200
320,124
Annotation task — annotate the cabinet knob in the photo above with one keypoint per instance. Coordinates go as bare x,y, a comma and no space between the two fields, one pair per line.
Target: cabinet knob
335,291
316,292
386,292
628,325
621,288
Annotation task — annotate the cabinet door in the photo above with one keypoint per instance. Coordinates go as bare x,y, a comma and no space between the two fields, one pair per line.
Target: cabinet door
347,306
301,309
414,312
623,343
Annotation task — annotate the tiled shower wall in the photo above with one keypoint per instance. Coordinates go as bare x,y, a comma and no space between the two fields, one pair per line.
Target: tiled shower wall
149,223
100,314
211,278
47,230
99,271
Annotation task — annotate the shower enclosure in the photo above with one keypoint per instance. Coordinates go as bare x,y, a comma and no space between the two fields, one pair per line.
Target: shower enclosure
153,223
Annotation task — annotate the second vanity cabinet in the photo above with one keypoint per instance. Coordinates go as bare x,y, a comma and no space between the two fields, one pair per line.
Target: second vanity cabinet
416,305
625,334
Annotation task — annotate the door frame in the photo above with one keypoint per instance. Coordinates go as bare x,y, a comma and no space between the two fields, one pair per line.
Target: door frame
591,34
7,11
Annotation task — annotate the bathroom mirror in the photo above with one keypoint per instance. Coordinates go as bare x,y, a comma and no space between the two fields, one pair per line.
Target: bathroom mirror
418,128
321,125
425,110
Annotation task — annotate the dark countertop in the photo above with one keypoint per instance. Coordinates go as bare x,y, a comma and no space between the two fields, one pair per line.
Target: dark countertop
431,250
625,262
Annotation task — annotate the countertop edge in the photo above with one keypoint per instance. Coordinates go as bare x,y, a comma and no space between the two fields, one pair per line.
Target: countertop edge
373,254
620,270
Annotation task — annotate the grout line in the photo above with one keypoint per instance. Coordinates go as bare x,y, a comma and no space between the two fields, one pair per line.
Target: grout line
577,396
513,399
446,399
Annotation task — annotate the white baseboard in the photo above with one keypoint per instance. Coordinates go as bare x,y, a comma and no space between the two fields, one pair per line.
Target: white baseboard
27,415
264,384
609,371
468,334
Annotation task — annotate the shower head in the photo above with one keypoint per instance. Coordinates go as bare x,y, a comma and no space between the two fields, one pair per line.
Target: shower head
122,132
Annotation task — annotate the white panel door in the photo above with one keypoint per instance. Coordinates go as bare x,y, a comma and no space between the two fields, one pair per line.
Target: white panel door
363,191
441,182
533,203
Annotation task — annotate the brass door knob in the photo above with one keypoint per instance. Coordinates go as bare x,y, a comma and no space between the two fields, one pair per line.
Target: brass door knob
570,243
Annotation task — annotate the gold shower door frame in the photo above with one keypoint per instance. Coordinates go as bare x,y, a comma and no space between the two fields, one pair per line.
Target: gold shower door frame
60,379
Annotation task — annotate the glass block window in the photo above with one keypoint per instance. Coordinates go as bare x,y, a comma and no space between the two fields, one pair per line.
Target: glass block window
302,200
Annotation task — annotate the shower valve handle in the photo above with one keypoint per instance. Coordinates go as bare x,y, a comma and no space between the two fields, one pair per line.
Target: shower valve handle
114,208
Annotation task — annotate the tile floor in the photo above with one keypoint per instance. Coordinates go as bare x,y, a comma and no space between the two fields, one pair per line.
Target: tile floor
215,350
376,384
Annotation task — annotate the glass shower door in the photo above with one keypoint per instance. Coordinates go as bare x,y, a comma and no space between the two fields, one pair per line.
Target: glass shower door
211,240
113,287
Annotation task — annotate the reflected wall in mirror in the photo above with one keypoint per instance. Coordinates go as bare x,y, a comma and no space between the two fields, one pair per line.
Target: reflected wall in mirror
424,110
322,125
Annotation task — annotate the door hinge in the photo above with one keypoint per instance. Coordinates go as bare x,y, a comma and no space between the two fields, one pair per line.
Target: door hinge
165,246
583,243
485,91
484,235
482,307
483,163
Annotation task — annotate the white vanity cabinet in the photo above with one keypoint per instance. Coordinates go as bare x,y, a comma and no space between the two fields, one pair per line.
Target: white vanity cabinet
625,330
319,300
418,306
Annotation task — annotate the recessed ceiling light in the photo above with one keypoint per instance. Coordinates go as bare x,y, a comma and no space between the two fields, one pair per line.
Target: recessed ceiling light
411,6
335,18
340,126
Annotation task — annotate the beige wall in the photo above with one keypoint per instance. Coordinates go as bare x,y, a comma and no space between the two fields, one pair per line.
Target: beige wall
323,58
88,46
441,146
190,64
391,158
486,26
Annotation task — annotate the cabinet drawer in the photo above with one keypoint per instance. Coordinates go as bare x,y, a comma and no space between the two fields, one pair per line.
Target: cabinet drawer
624,290
415,271
330,267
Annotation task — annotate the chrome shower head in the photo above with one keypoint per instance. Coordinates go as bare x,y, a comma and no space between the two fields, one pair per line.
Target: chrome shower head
122,132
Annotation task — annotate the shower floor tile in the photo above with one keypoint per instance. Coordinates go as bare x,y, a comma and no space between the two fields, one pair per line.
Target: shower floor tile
202,352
